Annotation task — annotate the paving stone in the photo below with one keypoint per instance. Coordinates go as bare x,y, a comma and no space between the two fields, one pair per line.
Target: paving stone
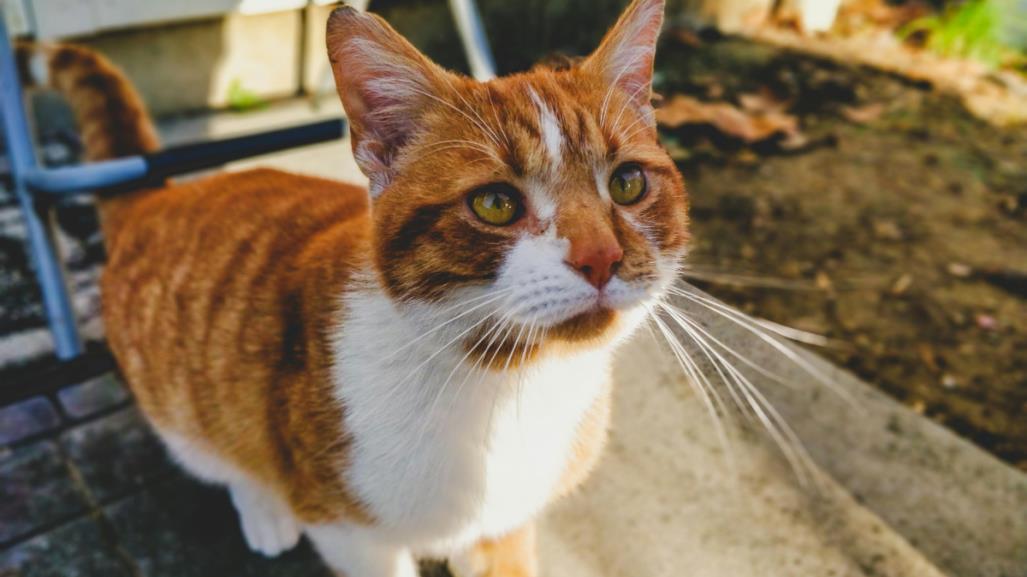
180,528
77,549
35,490
25,418
92,396
116,454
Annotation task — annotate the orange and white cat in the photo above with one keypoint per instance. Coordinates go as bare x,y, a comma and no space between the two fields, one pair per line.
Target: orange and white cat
417,370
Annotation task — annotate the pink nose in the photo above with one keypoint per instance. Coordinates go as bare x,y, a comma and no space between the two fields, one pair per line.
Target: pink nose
596,261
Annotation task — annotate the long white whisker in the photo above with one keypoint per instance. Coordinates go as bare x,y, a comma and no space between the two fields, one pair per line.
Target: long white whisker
481,121
627,102
676,317
784,436
673,311
613,86
742,320
445,102
447,345
457,367
697,380
495,114
793,334
491,299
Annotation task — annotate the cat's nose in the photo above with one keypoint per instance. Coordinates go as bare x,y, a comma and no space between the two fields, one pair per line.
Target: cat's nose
597,261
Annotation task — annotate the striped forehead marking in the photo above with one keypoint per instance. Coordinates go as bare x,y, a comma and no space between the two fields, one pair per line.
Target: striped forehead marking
552,132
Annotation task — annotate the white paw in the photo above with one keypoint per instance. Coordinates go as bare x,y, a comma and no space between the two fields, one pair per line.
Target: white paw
267,524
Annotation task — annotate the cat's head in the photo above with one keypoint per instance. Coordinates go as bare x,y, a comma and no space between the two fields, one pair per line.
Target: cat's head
540,204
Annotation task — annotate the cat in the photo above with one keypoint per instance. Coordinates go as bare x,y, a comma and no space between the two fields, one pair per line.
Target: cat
416,369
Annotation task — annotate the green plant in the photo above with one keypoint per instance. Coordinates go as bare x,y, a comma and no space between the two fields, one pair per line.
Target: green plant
974,29
242,99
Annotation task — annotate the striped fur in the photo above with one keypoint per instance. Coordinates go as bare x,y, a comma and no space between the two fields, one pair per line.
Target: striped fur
297,341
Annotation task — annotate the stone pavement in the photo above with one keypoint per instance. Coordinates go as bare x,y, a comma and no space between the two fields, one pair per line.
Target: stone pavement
86,490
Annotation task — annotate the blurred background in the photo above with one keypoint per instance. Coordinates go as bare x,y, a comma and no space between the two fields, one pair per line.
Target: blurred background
858,168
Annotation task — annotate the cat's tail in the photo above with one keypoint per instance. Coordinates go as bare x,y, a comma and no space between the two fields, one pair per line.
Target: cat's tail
112,120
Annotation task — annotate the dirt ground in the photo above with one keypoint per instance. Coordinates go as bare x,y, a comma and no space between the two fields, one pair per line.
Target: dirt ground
899,229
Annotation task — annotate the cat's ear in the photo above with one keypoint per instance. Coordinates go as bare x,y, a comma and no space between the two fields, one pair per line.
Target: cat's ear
385,85
625,57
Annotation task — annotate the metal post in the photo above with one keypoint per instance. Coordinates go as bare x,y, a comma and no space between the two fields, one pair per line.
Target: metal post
22,158
476,43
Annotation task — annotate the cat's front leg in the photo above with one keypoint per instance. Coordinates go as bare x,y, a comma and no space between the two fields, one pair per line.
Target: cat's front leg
355,551
267,524
513,555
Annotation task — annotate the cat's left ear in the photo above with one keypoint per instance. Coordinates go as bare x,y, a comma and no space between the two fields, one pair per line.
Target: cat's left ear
386,86
625,57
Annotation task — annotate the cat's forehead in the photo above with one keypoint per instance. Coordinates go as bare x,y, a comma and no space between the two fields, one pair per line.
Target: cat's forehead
539,122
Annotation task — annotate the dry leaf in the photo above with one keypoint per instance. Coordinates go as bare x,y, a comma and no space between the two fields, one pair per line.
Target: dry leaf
732,121
762,101
863,114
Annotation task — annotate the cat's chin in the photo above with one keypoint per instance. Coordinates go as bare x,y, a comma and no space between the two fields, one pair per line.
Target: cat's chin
591,325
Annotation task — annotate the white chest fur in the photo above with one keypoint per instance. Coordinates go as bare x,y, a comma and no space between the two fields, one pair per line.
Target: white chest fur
443,457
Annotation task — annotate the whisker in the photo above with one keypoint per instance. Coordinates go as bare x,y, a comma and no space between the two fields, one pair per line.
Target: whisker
613,86
697,380
673,311
794,334
458,111
745,322
783,435
627,103
495,114
747,280
509,329
481,121
489,154
716,367
448,344
493,297
457,367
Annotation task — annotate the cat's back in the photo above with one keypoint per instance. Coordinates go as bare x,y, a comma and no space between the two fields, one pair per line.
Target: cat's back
219,286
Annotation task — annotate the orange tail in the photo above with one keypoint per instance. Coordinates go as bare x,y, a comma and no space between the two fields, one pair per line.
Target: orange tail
112,119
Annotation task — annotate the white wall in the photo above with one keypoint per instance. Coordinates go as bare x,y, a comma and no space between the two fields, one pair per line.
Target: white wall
59,18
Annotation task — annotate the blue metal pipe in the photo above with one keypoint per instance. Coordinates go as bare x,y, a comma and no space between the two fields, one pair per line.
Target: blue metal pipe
22,157
86,177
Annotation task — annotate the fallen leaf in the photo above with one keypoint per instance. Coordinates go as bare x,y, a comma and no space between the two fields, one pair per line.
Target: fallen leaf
887,230
928,356
902,284
958,269
949,381
749,127
987,322
823,281
863,114
762,101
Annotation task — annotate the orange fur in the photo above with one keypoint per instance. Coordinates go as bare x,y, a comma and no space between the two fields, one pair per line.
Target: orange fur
220,294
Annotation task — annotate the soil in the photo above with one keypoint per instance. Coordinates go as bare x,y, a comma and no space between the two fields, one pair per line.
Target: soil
900,234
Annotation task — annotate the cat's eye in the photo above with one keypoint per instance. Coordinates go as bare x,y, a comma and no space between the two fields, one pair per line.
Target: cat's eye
496,204
628,184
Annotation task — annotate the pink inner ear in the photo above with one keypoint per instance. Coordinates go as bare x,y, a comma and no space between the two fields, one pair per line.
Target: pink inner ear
625,58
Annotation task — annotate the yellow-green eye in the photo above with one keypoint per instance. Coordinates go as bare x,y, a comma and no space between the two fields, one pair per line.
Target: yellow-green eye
497,204
628,184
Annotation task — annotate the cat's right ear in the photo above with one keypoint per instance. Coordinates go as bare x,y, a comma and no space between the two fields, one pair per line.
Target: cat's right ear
385,85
